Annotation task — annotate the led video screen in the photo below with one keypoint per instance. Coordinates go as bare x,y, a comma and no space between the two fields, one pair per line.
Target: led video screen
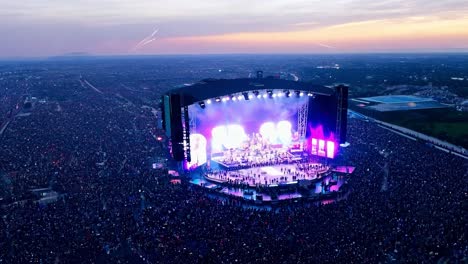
233,124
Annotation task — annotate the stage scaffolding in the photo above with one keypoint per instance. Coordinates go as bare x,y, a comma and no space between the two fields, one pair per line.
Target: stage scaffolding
192,124
302,120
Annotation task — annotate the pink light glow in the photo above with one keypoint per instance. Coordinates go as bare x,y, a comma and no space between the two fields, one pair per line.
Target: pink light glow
317,132
330,149
320,144
321,148
314,146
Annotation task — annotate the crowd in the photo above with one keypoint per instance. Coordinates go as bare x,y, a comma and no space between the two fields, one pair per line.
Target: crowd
114,208
11,97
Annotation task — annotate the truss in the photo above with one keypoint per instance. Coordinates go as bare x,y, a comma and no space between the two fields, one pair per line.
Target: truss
192,124
302,120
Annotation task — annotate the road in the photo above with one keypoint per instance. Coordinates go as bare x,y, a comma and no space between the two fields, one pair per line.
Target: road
296,79
90,85
4,127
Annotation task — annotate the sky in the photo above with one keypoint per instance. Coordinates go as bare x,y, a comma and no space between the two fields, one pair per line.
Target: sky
37,28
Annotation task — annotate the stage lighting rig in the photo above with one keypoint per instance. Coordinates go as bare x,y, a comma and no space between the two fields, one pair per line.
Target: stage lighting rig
246,96
286,93
270,93
202,104
218,99
297,93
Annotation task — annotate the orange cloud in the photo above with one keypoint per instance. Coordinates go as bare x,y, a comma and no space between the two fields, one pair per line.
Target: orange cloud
414,32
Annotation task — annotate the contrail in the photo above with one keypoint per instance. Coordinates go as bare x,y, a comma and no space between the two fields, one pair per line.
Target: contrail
325,45
148,37
141,43
144,44
146,40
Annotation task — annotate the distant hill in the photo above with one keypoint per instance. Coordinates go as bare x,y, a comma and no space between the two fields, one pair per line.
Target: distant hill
72,55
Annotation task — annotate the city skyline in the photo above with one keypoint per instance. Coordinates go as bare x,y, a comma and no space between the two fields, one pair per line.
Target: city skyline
110,27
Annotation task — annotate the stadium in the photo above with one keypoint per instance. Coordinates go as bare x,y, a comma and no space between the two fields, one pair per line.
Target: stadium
262,139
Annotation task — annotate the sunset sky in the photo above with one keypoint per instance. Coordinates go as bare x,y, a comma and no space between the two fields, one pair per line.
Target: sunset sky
32,28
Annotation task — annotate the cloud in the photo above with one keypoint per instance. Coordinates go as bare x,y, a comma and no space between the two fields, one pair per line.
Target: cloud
398,33
85,25
306,24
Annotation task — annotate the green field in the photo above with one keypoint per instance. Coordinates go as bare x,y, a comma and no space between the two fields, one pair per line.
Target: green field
445,124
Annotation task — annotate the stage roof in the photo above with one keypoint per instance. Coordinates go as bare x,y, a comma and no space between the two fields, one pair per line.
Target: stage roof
212,88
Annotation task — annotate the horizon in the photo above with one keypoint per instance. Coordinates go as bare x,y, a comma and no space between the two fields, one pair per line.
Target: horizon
78,55
109,27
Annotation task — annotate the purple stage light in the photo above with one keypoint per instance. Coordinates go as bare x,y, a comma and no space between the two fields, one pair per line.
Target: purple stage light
317,132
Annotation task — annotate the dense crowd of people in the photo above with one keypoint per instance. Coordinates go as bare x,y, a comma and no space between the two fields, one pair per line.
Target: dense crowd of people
113,207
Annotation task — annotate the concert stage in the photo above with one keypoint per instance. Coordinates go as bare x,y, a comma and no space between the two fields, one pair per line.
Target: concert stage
328,185
265,138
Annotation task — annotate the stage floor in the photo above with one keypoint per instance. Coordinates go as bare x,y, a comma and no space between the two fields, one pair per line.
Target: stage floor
269,176
320,186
